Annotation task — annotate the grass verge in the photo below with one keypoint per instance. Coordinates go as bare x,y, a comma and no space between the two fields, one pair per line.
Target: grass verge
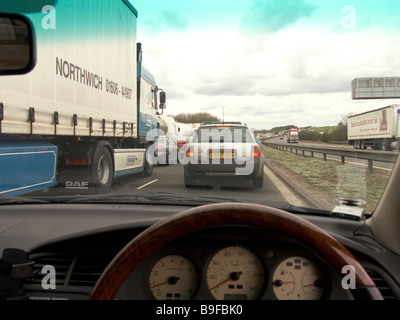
331,177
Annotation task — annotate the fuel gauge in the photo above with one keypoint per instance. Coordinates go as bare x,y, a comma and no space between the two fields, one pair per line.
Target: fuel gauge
297,278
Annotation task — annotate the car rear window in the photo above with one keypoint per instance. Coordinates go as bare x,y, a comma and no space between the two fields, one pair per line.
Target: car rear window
215,134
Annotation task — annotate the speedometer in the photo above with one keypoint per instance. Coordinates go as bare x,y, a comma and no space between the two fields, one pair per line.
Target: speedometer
235,273
173,277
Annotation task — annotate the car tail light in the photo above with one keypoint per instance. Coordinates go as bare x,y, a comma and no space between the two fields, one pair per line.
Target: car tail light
189,153
256,152
181,143
159,148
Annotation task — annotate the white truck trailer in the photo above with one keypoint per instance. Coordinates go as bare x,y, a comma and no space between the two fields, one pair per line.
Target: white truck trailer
88,110
377,128
169,128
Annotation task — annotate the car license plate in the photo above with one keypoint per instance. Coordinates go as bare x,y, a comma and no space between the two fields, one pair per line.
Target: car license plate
222,155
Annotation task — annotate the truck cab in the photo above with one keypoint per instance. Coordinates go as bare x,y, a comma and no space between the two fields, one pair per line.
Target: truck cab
150,101
293,136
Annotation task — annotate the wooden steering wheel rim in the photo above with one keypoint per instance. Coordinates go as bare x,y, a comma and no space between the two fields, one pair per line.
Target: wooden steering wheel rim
214,215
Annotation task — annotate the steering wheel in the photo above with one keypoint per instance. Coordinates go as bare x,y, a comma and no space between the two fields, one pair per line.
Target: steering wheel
214,215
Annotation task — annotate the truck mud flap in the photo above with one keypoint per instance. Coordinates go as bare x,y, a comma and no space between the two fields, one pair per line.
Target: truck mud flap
72,181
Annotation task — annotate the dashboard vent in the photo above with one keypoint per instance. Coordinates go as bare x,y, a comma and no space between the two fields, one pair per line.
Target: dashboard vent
71,270
61,263
87,270
386,292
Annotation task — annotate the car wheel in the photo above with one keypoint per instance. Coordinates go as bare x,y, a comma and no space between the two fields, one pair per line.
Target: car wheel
258,182
189,181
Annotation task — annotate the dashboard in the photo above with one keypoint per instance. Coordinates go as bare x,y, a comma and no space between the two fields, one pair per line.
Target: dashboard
232,262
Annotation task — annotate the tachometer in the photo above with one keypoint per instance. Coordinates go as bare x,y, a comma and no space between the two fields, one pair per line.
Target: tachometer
173,277
235,273
297,278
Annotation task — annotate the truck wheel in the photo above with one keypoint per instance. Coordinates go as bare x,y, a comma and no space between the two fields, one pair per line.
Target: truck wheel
167,159
102,169
148,163
386,146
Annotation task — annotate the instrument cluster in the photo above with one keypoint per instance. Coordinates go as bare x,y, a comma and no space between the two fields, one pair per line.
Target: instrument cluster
237,268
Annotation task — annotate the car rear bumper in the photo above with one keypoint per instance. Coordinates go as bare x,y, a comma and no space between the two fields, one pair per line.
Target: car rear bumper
247,170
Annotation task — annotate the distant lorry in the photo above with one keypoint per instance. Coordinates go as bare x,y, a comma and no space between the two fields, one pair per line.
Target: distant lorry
378,129
167,142
292,136
88,110
169,128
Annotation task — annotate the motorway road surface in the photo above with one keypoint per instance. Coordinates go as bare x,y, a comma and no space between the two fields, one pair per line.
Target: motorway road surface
170,179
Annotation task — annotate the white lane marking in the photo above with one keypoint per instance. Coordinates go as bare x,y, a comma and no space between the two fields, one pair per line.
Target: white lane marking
146,184
289,195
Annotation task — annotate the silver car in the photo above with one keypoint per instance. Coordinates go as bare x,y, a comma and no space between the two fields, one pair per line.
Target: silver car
228,152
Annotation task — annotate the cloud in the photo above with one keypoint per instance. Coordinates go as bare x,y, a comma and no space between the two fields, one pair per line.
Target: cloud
166,20
296,76
265,112
284,64
172,20
270,16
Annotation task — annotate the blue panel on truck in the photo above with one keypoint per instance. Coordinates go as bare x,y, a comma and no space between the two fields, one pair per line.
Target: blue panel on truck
26,166
147,123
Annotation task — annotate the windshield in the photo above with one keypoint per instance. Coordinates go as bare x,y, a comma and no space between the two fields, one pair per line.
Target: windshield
311,86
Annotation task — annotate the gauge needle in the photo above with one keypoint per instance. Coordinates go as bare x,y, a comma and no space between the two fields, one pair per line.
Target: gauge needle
220,284
159,285
233,276
171,280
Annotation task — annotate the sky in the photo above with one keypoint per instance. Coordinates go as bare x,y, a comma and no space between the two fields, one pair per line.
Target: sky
269,63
